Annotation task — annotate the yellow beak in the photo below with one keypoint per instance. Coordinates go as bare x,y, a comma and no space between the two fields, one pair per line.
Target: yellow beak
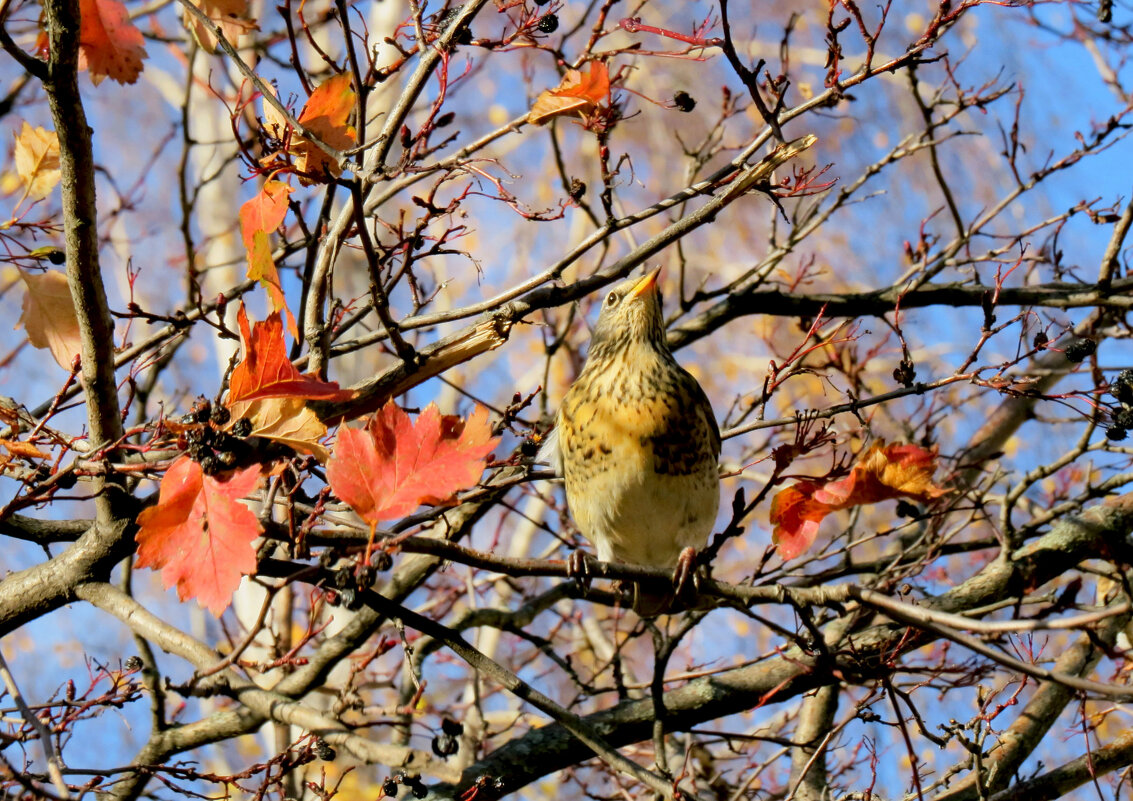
647,283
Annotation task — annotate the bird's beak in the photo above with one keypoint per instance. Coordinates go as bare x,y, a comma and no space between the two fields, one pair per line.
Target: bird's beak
648,283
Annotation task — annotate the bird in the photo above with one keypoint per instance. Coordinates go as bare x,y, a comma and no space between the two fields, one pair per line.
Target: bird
637,444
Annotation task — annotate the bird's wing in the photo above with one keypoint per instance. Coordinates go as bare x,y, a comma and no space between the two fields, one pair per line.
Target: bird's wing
550,452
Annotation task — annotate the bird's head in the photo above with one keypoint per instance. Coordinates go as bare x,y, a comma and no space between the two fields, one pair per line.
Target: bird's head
631,314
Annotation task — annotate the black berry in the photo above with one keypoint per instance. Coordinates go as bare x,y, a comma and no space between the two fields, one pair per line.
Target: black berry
242,427
220,415
1115,433
683,101
1040,340
1080,349
1122,387
133,663
549,23
445,745
389,787
1123,418
66,480
541,2
323,750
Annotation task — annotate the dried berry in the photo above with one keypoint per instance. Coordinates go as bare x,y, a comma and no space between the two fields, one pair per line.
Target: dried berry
133,663
906,509
549,23
323,750
389,788
242,427
683,101
1122,387
220,415
904,373
66,480
1123,418
577,190
381,561
1080,349
203,412
210,465
227,459
1040,340
1115,433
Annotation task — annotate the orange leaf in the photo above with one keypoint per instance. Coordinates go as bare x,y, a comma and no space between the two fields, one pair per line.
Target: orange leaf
325,115
49,316
231,16
24,450
266,372
883,473
109,44
392,466
579,92
258,218
37,161
199,534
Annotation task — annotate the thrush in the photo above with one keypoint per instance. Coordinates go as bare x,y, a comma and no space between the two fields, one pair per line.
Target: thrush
637,444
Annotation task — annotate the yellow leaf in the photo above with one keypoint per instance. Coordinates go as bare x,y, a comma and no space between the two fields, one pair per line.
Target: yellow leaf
231,16
284,420
37,160
49,316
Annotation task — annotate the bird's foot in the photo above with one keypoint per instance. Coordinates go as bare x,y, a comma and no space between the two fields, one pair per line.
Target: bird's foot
578,568
686,576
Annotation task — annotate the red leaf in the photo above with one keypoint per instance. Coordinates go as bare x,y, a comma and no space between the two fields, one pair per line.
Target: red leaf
199,534
883,473
266,371
390,467
579,92
109,44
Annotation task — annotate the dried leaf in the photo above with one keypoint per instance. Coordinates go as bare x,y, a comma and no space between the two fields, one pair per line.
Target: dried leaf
392,466
231,16
24,450
49,316
109,44
37,160
578,93
287,421
199,534
883,473
325,114
266,372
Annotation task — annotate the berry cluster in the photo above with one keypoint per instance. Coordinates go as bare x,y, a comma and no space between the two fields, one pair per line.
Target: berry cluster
414,783
1122,389
214,449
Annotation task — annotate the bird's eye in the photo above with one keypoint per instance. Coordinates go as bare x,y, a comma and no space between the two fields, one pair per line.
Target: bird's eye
612,300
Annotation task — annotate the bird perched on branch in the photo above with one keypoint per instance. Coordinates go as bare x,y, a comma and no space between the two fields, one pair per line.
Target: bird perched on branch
637,444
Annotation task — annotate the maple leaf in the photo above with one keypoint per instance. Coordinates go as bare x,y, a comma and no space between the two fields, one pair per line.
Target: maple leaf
49,316
266,372
387,469
109,44
258,218
325,114
37,161
231,16
578,93
287,421
199,535
883,473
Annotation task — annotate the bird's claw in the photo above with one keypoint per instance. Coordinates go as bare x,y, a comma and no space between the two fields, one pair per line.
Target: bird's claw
578,568
685,575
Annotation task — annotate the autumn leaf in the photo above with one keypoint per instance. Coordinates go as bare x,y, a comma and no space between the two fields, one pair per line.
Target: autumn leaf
199,535
387,469
109,44
258,218
231,16
578,93
885,472
37,161
266,372
24,450
287,421
325,115
49,316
